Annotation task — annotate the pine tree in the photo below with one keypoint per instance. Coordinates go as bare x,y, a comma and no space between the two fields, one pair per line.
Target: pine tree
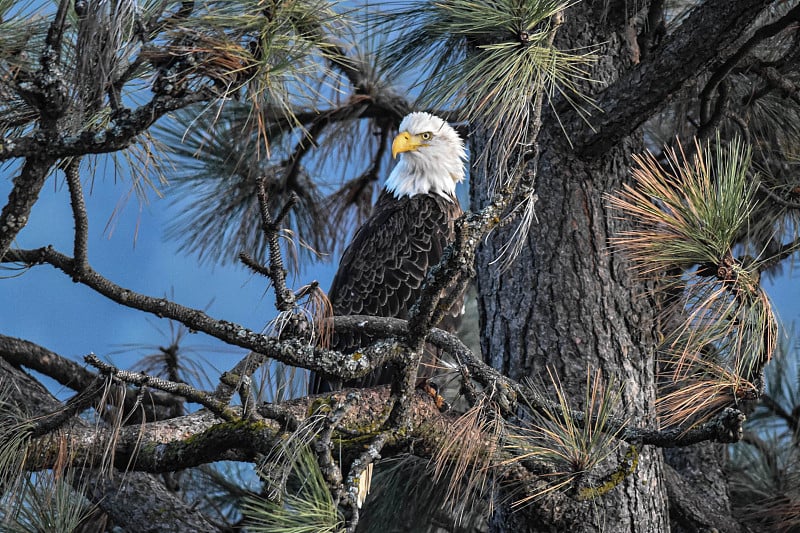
630,185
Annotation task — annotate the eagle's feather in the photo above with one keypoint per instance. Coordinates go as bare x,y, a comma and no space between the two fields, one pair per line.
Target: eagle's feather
382,270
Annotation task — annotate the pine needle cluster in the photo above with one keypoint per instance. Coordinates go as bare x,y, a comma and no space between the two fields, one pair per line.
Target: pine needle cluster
571,449
488,60
689,218
305,506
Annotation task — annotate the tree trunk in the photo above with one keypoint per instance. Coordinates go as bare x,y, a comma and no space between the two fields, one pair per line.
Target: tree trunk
568,302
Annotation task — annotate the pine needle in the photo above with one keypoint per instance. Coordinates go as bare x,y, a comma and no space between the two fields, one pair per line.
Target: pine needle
570,448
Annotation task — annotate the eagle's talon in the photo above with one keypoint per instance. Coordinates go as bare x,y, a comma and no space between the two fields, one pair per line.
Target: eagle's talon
432,389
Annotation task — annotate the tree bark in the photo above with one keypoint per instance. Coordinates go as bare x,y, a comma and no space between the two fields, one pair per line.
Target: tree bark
568,303
138,501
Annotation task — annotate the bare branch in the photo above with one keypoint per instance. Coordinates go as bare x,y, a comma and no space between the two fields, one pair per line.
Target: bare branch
284,297
20,352
184,390
145,497
120,134
707,34
80,217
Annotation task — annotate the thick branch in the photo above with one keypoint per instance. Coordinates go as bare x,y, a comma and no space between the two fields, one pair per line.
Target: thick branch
21,352
122,133
707,35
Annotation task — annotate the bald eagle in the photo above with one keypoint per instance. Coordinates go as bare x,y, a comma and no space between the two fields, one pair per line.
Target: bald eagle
382,270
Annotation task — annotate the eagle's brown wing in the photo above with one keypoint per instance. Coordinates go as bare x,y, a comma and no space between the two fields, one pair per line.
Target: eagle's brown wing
382,270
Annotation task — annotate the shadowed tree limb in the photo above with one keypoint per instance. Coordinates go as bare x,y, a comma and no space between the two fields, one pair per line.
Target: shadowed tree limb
120,134
761,34
707,35
67,372
148,505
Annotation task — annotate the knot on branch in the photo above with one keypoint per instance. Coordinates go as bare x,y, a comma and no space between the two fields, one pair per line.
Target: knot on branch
728,425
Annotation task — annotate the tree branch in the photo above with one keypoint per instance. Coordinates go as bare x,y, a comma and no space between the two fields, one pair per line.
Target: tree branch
145,497
21,352
122,132
707,34
760,35
293,352
23,196
183,390
78,204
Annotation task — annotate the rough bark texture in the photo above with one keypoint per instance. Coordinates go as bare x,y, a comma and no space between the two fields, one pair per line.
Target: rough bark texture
567,302
698,491
139,501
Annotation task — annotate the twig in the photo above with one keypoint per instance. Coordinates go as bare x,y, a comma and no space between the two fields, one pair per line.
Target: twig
51,55
249,411
284,297
80,253
725,427
777,199
254,265
23,196
120,134
783,252
710,120
181,389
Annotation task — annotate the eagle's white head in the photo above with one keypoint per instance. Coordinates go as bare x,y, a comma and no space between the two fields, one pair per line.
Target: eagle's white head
432,157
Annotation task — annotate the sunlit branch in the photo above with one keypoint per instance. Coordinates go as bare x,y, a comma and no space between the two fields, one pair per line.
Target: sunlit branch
201,438
184,390
360,465
323,445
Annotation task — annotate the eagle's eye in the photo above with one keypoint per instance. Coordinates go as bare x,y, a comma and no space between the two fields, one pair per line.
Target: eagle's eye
426,136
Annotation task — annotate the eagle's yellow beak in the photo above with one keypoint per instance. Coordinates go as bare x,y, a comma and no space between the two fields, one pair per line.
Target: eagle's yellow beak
405,142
